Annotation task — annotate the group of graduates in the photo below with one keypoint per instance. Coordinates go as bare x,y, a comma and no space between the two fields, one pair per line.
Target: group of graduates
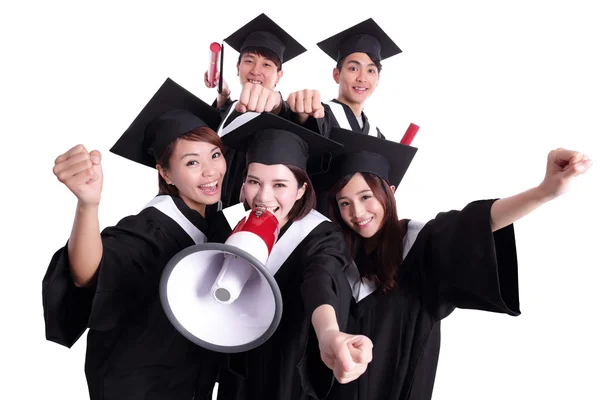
363,291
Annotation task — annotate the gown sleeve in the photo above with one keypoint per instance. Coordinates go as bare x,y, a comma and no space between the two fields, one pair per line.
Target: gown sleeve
324,262
322,126
128,271
285,111
324,283
471,266
224,107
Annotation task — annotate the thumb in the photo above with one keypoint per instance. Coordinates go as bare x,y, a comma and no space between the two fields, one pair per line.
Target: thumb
239,107
344,357
320,113
577,168
576,157
357,355
362,350
570,172
96,157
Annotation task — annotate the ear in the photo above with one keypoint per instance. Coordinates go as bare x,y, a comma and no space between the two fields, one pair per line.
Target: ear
279,75
163,172
377,81
393,188
238,69
336,75
242,195
301,191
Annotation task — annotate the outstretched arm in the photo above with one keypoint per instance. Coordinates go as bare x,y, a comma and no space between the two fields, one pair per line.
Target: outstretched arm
346,355
563,165
81,172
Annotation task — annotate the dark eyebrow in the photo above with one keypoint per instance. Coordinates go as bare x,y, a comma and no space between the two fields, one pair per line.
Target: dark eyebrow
196,154
256,178
361,192
358,63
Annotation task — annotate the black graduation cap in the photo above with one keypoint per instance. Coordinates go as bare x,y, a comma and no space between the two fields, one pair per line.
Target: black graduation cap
170,113
270,139
262,31
363,153
365,37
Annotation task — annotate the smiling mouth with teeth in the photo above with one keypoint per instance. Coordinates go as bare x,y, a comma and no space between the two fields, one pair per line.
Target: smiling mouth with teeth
255,82
364,222
209,185
272,210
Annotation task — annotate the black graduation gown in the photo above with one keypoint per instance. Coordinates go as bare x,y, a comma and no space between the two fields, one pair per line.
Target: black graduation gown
324,125
288,366
455,261
133,351
236,160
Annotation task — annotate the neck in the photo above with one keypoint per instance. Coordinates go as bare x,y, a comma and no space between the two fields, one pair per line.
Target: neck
200,208
370,244
356,108
283,222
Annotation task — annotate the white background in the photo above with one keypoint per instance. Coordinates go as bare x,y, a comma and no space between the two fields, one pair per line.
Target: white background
494,86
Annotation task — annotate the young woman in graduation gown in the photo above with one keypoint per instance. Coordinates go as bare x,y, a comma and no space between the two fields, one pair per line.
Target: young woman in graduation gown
297,361
108,281
411,275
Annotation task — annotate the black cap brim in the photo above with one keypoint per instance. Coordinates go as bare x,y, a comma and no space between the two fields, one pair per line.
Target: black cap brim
364,153
269,150
136,144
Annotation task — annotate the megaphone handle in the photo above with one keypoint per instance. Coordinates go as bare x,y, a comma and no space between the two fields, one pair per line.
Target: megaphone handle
231,280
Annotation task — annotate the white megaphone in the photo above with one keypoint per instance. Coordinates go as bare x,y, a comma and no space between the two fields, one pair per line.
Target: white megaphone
221,296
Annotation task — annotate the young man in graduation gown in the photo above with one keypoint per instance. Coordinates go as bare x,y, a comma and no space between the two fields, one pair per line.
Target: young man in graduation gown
263,48
108,281
358,52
